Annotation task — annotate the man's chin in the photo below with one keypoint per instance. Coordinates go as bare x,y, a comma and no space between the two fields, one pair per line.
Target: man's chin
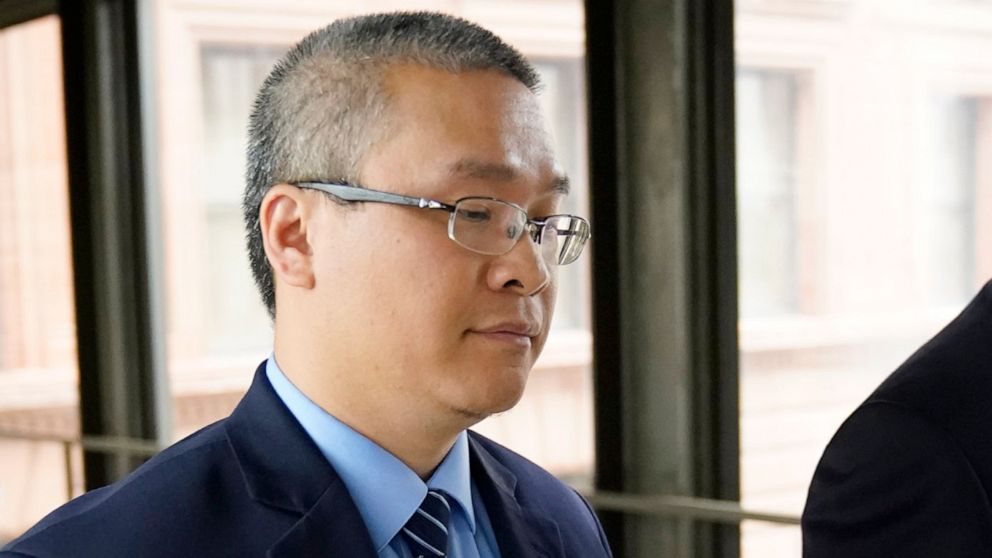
478,412
472,417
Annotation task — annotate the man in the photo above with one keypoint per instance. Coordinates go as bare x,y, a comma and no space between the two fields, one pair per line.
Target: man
402,211
909,473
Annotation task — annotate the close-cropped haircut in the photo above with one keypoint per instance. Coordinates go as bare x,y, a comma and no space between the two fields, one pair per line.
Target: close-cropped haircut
322,104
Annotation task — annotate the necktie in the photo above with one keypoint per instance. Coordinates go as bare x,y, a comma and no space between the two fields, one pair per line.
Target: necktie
427,531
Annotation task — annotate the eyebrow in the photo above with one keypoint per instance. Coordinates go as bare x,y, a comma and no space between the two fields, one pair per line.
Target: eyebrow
498,172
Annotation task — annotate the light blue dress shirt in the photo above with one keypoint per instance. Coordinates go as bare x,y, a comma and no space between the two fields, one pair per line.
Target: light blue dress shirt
386,491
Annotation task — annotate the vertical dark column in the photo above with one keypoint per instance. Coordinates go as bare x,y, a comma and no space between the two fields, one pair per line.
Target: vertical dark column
664,273
120,359
713,217
607,353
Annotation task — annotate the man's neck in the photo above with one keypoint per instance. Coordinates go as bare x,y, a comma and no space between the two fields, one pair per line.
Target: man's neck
418,446
415,435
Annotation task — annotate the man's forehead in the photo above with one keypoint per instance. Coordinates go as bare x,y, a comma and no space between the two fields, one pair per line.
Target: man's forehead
480,125
443,94
502,172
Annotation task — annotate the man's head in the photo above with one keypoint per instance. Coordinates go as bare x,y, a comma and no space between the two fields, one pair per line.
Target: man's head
375,300
322,105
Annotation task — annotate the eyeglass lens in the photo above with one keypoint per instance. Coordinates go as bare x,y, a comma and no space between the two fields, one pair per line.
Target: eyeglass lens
493,227
567,235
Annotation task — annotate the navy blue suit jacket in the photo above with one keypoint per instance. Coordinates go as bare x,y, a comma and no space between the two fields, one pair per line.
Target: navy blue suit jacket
909,473
255,484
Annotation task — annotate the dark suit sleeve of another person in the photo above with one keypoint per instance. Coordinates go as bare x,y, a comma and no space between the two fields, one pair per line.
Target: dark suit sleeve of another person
893,483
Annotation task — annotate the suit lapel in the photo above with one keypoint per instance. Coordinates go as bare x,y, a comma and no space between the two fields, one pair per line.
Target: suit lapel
333,527
283,469
519,530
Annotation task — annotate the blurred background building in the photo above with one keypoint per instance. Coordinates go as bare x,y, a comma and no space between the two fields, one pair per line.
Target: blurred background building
864,165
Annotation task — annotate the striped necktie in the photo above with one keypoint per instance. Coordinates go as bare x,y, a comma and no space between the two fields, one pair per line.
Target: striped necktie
426,532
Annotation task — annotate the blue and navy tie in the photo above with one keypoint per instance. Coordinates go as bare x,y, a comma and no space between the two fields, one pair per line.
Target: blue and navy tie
426,532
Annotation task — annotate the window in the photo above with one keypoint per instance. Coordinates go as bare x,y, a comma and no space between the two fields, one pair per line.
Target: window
766,178
38,369
948,255
861,184
236,319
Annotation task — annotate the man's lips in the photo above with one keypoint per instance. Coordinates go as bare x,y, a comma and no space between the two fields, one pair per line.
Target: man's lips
516,332
519,328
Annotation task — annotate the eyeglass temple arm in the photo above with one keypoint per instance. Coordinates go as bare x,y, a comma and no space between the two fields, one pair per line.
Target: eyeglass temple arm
348,192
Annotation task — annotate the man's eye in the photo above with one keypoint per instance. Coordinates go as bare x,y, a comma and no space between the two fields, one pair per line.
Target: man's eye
474,215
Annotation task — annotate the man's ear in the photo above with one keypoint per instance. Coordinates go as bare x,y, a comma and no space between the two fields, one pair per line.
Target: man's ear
284,219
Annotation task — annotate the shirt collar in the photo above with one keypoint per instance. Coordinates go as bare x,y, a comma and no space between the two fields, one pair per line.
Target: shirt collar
386,491
453,477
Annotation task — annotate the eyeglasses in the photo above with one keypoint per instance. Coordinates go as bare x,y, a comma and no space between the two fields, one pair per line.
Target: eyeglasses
483,225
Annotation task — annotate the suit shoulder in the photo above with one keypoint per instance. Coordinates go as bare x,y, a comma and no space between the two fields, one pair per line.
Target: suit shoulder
952,370
187,463
541,490
171,484
529,474
893,482
892,436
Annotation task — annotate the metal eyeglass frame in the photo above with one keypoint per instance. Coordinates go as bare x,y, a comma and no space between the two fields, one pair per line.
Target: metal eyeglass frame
352,193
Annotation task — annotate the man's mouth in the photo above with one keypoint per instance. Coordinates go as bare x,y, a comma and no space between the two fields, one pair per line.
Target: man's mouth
517,332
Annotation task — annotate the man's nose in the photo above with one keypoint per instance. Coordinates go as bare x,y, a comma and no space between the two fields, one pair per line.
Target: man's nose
523,270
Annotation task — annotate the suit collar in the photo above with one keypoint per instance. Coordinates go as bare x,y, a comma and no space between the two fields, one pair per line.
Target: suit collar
283,469
519,530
